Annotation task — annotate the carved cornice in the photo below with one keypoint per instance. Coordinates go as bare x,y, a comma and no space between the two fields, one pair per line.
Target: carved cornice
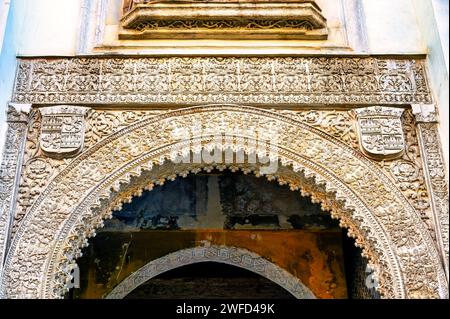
182,81
224,20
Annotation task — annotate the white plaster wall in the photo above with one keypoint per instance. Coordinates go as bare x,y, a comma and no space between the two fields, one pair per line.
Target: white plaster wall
441,14
10,39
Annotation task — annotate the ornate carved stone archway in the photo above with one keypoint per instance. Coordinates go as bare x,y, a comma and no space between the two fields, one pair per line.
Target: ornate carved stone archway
74,203
238,257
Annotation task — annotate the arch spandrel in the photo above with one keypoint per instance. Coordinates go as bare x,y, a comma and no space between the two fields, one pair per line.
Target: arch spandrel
61,218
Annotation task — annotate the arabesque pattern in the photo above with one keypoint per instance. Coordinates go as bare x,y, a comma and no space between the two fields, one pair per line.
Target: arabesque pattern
66,213
222,254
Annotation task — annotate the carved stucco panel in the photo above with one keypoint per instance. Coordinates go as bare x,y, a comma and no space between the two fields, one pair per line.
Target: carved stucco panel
406,172
382,209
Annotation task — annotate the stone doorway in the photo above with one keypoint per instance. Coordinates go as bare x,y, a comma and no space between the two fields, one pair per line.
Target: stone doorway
218,214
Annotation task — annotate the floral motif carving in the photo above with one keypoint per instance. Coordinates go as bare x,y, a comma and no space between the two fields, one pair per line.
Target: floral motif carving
62,130
62,211
39,168
9,173
228,24
339,124
377,213
100,124
103,123
306,80
408,171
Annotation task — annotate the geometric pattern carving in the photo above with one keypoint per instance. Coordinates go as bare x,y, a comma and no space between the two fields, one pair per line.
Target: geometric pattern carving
374,210
173,80
238,257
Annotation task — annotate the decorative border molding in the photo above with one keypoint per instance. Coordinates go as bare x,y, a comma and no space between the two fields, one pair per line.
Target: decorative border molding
233,256
175,81
224,20
10,171
435,175
402,247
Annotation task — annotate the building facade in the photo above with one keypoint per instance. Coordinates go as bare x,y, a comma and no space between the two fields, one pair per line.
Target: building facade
146,122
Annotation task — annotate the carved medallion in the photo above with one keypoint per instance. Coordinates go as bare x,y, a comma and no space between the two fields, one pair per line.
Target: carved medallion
62,130
380,131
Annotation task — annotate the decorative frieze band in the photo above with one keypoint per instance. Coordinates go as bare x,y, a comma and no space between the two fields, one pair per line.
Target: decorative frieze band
380,131
196,80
